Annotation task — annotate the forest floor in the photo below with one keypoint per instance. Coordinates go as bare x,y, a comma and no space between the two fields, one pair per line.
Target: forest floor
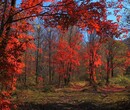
77,96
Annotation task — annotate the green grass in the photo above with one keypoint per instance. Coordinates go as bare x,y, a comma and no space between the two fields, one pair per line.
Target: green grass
68,95
121,80
71,97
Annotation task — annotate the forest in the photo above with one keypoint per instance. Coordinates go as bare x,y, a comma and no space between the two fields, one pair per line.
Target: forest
64,54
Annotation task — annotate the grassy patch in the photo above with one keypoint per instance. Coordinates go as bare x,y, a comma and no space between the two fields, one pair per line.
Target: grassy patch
121,80
67,97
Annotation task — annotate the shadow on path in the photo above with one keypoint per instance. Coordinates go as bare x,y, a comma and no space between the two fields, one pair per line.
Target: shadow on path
80,106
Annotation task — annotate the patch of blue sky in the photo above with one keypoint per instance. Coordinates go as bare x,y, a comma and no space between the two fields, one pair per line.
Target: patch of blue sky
18,2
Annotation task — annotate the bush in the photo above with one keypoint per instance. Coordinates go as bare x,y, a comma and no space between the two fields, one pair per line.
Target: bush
48,88
120,80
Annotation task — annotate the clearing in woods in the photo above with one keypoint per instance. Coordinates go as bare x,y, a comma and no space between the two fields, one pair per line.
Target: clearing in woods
77,96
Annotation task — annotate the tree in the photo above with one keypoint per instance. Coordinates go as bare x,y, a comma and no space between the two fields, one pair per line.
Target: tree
109,30
38,35
13,41
66,58
84,14
92,57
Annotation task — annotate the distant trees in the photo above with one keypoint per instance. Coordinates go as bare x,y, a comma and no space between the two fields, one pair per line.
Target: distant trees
115,52
45,40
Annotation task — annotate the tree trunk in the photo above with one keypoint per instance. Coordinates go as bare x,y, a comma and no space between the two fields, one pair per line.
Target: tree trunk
37,62
50,69
25,74
59,81
108,71
112,69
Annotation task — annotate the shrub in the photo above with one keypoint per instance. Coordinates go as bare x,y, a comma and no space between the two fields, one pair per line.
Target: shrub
48,88
120,80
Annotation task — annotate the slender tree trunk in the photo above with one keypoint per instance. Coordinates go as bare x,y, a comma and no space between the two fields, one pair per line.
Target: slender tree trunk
69,70
53,73
94,75
92,66
112,69
59,81
90,71
25,74
108,71
3,18
50,75
50,68
37,61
